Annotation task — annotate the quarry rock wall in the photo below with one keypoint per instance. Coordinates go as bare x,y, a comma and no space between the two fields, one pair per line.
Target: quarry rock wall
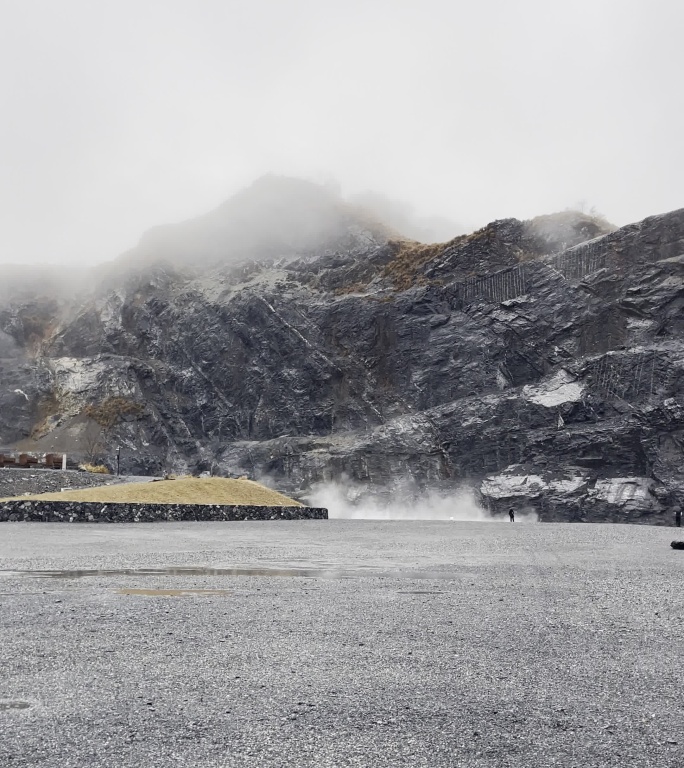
550,349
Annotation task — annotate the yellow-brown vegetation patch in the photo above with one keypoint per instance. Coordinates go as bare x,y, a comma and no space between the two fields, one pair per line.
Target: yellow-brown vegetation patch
409,257
48,408
113,410
39,327
98,469
351,288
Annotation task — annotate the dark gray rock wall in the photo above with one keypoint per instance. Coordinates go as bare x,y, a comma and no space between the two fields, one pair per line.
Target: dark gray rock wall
91,512
538,363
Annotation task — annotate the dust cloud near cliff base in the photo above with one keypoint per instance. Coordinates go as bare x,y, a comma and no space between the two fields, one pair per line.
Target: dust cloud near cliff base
347,501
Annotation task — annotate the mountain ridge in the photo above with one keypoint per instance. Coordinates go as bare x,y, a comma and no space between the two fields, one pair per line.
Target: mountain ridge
505,361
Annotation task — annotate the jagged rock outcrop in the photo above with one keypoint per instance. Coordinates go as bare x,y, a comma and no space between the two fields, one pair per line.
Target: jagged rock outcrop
538,362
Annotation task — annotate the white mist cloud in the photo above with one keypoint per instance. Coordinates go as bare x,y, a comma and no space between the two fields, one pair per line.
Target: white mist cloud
346,500
119,115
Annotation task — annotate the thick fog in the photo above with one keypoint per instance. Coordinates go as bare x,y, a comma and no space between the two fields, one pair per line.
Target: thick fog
119,115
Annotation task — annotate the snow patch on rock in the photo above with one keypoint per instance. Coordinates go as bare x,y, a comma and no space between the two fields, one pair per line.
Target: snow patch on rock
506,485
560,388
619,490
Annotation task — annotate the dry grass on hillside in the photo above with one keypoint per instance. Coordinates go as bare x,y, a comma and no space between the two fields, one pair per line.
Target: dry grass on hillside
410,257
185,490
96,469
113,410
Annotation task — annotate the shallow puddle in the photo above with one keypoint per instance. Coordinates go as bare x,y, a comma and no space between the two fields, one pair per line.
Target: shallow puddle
172,592
307,573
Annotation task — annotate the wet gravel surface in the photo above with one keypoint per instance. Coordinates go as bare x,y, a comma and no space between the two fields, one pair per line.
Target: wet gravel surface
376,644
17,482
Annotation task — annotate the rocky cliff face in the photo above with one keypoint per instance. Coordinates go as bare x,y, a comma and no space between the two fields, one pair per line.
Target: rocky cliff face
539,363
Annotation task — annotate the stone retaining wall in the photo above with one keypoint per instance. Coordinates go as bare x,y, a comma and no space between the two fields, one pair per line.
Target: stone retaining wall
98,512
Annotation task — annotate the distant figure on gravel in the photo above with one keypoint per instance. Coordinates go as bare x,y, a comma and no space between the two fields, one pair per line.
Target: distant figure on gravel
678,517
511,515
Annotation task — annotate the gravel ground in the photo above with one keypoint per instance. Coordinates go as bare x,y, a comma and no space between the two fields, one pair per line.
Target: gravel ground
425,644
18,482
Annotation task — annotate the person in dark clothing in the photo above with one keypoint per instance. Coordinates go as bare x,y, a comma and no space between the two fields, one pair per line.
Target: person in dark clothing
678,517
511,515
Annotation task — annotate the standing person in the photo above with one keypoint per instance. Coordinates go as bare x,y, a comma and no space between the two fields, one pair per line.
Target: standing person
678,517
511,515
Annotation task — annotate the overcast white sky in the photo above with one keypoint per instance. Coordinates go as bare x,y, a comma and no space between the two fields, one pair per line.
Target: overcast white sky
117,115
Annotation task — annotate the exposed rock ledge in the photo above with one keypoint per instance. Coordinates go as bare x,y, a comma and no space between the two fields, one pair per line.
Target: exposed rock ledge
98,512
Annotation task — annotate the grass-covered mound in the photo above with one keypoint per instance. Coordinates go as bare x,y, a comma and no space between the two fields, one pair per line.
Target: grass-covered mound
185,490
